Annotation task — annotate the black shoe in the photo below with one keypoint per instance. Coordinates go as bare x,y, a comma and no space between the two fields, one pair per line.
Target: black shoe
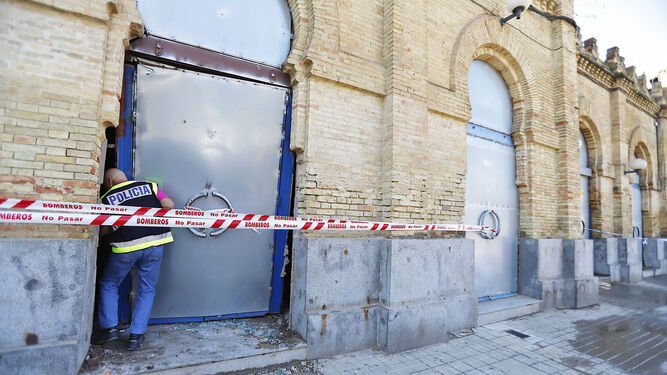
135,341
104,335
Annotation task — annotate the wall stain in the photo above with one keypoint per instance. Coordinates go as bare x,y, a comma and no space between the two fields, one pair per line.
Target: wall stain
57,295
31,339
323,330
32,284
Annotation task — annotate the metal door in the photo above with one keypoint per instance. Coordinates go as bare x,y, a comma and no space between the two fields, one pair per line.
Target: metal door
255,30
637,225
491,181
586,173
219,139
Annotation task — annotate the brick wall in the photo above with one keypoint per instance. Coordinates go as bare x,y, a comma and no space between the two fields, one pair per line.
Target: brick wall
408,91
60,73
380,109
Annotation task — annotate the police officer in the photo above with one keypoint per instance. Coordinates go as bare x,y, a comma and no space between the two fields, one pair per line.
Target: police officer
140,246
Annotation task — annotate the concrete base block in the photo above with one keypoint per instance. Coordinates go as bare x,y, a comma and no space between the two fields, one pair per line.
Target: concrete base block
630,251
615,273
648,273
580,293
411,327
336,332
56,359
396,294
47,288
552,294
663,268
630,273
605,255
461,311
650,255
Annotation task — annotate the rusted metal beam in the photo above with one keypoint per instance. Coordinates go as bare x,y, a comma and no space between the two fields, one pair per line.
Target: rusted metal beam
200,59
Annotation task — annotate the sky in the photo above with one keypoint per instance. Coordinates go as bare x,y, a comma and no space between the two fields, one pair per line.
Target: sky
637,27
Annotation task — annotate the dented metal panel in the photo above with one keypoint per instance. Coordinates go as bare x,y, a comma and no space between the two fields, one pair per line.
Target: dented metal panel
202,135
490,185
491,181
257,30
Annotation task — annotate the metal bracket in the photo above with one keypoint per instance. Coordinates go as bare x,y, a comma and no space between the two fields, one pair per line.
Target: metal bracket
636,232
203,233
496,220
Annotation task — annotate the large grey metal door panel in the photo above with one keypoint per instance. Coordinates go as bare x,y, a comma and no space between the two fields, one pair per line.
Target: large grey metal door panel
197,133
490,185
586,173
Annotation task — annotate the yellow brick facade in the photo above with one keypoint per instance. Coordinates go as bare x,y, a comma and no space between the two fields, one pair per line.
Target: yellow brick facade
60,83
416,78
380,107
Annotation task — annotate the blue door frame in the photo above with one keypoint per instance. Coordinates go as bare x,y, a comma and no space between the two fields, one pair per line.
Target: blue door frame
125,146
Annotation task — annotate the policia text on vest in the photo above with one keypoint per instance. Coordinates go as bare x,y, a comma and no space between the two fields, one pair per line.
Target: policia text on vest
142,194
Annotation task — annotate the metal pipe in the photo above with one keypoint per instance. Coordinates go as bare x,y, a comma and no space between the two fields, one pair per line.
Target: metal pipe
553,16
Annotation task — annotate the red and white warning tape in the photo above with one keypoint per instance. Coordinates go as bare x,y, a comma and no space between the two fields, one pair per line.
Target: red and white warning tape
47,212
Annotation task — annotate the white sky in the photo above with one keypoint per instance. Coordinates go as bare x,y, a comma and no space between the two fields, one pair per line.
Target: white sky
637,27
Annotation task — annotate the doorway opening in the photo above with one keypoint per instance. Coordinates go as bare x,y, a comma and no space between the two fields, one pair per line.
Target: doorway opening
491,182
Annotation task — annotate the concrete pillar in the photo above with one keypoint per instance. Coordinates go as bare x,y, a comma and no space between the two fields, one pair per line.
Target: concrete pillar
606,258
653,255
630,259
428,291
354,294
559,272
581,286
540,270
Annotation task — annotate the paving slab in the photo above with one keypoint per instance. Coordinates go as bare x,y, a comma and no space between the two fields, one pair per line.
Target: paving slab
200,348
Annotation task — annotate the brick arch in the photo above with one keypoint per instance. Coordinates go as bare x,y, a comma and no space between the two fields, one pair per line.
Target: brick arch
594,143
484,39
645,182
596,163
638,143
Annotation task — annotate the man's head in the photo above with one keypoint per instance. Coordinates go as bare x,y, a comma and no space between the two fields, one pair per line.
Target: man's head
113,176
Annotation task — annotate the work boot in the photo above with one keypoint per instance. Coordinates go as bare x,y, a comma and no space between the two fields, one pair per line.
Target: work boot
135,341
104,335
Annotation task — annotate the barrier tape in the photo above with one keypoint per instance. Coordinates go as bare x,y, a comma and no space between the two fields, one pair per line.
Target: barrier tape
48,212
644,239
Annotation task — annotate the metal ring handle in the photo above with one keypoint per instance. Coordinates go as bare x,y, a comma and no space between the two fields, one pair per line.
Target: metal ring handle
636,232
196,231
203,233
496,220
583,227
229,204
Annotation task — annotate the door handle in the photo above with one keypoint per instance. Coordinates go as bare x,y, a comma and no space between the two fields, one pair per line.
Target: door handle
203,233
496,221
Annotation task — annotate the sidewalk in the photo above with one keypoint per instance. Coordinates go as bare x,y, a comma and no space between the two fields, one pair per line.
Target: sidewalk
625,334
